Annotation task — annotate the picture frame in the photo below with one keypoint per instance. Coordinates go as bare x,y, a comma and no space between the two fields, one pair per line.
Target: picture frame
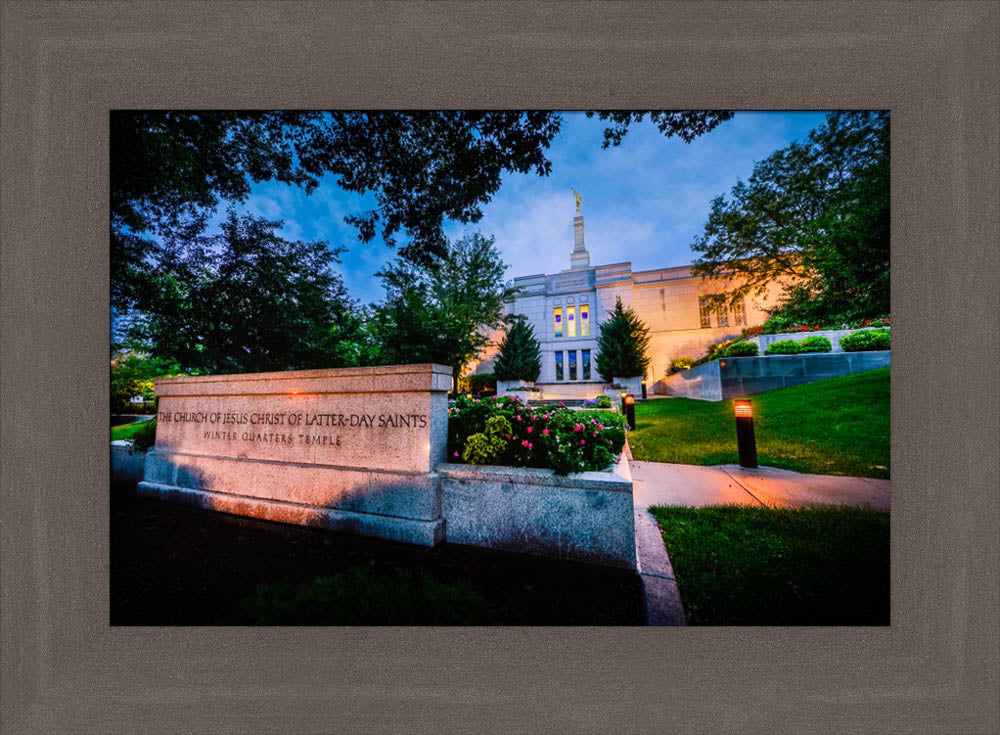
934,65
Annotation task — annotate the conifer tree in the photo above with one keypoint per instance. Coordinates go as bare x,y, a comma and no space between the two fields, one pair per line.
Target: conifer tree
520,355
622,345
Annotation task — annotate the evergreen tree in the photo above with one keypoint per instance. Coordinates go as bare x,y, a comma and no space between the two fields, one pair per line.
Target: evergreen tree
520,355
622,345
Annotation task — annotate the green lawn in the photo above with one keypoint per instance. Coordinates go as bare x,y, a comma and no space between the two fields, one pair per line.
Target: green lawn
125,431
738,565
838,426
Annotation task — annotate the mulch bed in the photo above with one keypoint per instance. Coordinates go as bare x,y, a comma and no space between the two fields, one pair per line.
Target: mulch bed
174,565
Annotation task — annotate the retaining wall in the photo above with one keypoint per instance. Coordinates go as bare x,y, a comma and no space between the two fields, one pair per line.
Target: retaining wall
743,376
586,516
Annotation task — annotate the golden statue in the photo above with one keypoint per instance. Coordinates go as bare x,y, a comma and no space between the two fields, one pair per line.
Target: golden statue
578,198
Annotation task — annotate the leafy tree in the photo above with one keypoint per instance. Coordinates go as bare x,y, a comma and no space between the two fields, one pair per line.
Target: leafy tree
622,345
442,311
816,214
247,300
132,374
686,124
520,354
170,169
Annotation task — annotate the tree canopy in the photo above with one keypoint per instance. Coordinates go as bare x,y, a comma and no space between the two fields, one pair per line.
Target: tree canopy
247,300
170,169
622,345
519,357
815,213
442,311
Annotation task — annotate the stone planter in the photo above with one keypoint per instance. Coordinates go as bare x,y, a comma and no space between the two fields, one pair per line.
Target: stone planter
587,516
632,385
506,387
834,335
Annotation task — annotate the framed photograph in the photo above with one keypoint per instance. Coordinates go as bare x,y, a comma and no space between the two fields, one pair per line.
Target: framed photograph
120,617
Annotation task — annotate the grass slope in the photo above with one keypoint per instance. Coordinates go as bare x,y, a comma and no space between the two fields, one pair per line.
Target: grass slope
738,565
838,426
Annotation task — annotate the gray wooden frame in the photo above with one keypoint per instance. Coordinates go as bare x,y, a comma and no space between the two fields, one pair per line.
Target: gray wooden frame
65,64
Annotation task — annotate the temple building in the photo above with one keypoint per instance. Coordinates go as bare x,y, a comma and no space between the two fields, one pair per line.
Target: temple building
567,308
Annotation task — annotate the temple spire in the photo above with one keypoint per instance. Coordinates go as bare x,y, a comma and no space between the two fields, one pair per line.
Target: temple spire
580,257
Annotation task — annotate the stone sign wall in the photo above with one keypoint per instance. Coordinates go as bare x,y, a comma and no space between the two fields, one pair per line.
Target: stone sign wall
319,447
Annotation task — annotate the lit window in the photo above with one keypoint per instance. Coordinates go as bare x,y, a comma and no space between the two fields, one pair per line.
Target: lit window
570,321
739,314
722,314
584,320
557,321
585,355
572,364
559,365
705,312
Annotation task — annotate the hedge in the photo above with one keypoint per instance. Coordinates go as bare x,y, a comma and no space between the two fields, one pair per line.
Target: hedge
816,343
866,340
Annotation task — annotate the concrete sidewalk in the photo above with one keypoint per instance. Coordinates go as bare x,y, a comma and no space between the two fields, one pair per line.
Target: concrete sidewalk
658,483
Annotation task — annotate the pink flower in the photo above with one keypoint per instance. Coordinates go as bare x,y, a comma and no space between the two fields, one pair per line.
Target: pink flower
583,441
530,445
456,454
518,418
600,427
524,443
545,431
578,428
530,428
595,433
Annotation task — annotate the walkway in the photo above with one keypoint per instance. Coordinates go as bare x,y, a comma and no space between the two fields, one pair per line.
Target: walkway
658,483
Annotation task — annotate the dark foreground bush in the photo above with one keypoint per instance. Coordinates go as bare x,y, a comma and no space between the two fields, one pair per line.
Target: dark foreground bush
505,431
865,340
363,597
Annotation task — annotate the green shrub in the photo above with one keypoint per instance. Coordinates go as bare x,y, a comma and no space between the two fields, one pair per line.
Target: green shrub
145,436
505,431
486,446
519,357
680,363
865,340
740,349
361,596
816,343
784,347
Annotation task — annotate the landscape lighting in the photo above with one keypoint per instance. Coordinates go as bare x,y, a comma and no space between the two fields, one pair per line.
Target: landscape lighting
745,440
628,405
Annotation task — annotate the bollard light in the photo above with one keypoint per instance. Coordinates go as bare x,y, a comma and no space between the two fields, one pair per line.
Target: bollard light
628,404
644,390
745,440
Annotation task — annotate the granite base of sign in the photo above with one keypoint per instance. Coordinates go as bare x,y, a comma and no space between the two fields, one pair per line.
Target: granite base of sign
587,516
348,449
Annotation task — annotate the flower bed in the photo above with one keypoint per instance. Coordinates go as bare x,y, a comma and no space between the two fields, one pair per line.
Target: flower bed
505,431
779,325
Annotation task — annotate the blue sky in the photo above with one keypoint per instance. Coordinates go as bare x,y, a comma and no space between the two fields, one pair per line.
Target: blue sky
644,201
